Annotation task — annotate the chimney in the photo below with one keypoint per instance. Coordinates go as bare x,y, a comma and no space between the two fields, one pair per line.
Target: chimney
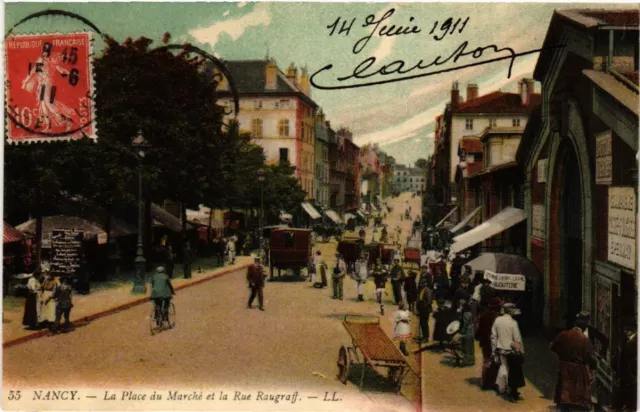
472,91
526,87
271,75
292,74
304,82
455,95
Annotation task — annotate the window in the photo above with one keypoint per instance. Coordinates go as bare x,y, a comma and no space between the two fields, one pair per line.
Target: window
257,104
304,132
256,127
284,104
516,122
493,122
283,127
468,124
284,155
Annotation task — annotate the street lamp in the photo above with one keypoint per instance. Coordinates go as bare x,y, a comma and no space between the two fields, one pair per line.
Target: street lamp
260,175
139,286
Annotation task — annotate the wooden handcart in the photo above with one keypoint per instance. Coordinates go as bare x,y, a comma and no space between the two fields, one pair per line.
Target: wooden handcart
376,350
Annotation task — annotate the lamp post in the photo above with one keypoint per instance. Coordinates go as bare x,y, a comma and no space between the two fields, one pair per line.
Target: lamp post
261,180
139,286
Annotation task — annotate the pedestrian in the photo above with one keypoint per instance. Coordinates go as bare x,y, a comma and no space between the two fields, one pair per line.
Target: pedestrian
483,327
32,303
380,280
375,237
411,291
169,259
475,296
577,367
321,269
231,250
47,302
255,277
339,272
487,292
425,306
443,317
360,275
467,343
426,279
246,247
186,260
161,293
462,293
402,327
505,340
313,268
629,366
62,296
362,233
397,279
441,283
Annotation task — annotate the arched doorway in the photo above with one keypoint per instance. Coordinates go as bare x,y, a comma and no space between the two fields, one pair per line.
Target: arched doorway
566,253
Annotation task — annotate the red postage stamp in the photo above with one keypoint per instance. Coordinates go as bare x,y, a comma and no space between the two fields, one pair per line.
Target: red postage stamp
49,87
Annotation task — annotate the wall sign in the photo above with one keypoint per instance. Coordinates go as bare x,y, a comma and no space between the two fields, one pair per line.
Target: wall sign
66,250
604,159
503,281
622,227
542,171
539,223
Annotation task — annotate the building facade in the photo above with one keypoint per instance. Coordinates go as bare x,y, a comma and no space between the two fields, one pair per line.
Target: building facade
277,109
581,180
352,169
337,170
321,175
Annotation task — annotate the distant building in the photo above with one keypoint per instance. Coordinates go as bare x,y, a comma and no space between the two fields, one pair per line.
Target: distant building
409,179
321,175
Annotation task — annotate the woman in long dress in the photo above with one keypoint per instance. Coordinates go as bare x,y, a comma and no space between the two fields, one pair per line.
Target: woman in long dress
47,303
402,326
32,303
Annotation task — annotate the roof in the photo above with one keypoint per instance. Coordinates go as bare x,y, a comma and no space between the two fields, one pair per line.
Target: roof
632,77
589,18
529,135
473,169
471,145
170,221
250,78
11,234
615,88
51,223
497,102
495,168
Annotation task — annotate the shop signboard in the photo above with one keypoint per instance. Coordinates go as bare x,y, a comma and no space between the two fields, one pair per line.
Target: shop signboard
502,281
622,227
538,223
604,159
66,251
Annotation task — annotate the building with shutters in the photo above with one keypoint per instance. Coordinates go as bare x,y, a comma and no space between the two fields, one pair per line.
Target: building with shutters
321,175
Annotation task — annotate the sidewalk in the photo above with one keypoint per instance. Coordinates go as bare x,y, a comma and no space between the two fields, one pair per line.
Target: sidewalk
105,299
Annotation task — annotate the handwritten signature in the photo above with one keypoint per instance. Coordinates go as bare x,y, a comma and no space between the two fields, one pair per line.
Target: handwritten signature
399,70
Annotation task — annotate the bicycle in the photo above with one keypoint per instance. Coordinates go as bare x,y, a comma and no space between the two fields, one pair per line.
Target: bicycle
157,319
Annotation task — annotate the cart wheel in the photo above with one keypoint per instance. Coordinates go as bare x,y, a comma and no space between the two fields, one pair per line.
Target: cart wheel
343,365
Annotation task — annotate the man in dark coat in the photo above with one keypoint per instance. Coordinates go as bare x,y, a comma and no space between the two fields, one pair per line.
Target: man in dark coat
483,327
462,293
425,306
397,278
255,277
411,291
186,260
628,368
577,367
62,296
426,279
487,292
441,283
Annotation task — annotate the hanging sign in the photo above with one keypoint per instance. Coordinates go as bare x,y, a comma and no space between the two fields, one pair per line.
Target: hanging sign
503,281
49,87
622,227
66,250
604,159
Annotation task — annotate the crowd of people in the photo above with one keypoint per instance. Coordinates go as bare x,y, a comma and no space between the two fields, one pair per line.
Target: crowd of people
49,299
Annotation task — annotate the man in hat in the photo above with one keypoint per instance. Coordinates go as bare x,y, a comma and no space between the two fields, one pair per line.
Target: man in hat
505,340
380,280
255,278
397,279
483,327
360,275
231,250
425,306
487,292
339,272
161,291
577,366
426,279
62,296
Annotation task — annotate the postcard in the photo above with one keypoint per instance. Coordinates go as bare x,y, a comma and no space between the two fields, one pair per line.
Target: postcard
233,206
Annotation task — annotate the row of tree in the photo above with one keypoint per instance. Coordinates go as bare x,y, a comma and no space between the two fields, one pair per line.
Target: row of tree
192,158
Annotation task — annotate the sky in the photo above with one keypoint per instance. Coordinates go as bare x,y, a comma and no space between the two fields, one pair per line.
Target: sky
399,116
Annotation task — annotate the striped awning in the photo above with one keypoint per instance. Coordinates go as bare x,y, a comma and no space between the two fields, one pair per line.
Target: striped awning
11,234
311,211
505,219
333,216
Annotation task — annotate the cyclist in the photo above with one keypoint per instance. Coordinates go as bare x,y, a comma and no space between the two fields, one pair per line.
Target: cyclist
161,291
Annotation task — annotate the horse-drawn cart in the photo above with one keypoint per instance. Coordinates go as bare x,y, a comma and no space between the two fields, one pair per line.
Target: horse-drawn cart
376,350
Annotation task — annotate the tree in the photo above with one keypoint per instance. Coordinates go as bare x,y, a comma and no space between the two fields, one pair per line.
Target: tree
421,163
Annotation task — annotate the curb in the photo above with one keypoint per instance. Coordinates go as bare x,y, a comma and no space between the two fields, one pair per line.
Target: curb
120,308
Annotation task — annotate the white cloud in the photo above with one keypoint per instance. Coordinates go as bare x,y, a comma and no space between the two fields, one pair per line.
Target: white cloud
226,13
259,16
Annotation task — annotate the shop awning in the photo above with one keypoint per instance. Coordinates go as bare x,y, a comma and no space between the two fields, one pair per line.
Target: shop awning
507,218
11,234
361,213
333,216
348,216
168,220
466,220
311,211
363,209
285,216
447,216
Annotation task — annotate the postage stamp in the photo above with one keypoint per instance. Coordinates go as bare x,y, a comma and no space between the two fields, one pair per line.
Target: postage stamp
319,206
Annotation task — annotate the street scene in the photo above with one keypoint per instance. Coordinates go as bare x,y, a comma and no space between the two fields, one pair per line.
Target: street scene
320,207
